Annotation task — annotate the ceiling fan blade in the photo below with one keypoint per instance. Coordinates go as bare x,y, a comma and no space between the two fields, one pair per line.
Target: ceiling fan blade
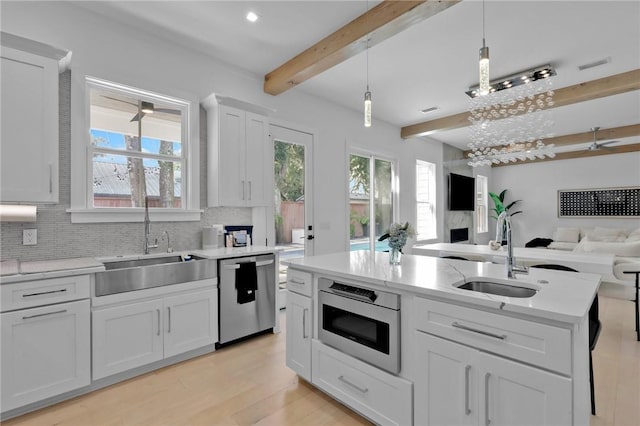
607,143
120,100
137,117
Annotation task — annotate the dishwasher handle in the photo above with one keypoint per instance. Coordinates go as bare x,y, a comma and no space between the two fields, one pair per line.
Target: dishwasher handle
258,264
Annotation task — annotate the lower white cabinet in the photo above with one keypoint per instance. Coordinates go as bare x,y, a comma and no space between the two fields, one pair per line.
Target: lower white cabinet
459,385
45,352
138,333
299,334
384,398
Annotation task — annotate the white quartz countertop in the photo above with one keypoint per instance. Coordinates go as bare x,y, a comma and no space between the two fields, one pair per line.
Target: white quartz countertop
561,296
13,271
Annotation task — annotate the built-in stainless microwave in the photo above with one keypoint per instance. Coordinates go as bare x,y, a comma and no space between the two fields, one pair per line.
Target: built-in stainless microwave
361,322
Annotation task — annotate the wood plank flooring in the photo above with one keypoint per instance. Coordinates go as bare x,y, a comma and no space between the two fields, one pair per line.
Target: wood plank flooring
249,384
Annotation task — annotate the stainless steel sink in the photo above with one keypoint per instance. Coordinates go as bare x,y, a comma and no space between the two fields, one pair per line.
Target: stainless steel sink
137,274
498,289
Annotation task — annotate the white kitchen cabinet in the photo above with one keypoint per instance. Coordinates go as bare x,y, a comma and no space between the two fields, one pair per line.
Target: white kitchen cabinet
45,352
299,334
459,385
139,333
29,149
238,158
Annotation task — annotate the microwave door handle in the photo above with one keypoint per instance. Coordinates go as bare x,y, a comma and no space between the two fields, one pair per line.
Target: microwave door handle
351,295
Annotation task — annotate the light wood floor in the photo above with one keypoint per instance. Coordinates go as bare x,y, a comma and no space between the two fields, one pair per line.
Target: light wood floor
248,383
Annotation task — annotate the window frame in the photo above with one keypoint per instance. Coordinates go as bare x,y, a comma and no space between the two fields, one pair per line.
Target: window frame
82,209
432,201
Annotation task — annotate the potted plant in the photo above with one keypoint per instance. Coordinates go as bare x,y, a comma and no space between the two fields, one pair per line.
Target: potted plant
499,207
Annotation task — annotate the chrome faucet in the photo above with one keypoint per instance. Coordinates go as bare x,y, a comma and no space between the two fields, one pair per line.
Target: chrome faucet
147,228
512,268
169,248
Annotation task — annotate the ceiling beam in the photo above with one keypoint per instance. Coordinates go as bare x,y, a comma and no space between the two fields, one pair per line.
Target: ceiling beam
378,24
579,154
586,91
585,137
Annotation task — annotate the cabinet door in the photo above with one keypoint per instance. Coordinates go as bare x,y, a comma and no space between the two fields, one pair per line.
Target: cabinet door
45,352
299,334
29,149
191,321
126,337
446,382
515,394
257,158
231,180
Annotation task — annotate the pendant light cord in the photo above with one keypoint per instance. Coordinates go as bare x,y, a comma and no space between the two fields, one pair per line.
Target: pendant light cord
367,22
483,37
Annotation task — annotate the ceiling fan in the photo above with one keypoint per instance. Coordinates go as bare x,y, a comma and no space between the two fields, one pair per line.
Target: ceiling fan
595,146
145,108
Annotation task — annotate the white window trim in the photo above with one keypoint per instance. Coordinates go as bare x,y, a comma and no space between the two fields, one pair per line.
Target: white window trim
82,210
433,202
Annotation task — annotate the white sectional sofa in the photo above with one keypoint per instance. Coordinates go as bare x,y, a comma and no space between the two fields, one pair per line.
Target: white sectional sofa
624,244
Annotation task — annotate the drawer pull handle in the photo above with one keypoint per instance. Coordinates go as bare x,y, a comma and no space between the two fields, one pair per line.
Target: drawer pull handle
44,292
356,387
473,330
467,410
44,315
296,282
487,420
304,323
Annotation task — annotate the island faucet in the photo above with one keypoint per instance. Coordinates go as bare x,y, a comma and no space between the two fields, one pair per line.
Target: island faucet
147,228
512,268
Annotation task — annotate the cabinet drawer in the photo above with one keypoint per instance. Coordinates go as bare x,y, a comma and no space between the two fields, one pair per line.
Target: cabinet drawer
382,397
299,282
530,342
44,292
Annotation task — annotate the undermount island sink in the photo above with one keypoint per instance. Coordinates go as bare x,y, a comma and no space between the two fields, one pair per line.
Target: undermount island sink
137,274
484,285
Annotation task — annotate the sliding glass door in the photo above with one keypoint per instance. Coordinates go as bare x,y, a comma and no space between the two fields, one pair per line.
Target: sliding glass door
371,201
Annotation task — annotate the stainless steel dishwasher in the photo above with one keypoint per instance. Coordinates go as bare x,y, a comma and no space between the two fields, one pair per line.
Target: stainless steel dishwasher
247,302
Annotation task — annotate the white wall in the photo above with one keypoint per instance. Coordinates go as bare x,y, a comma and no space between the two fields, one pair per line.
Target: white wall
537,185
130,56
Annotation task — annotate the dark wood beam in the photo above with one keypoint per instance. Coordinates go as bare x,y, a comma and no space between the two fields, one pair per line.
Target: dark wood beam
589,90
380,23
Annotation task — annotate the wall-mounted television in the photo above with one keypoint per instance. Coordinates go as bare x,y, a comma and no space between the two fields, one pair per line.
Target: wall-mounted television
462,190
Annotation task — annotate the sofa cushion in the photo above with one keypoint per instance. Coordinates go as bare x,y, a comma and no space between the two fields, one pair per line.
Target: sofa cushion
631,249
610,235
568,235
562,245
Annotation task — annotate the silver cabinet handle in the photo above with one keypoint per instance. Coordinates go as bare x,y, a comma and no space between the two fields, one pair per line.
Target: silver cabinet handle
356,387
467,410
249,190
158,310
44,315
169,314
304,323
296,282
487,421
44,292
50,178
474,330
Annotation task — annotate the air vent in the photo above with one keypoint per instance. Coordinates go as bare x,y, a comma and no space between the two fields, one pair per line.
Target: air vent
428,110
594,64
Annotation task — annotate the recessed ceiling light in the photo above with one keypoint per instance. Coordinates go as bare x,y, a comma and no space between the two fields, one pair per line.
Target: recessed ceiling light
252,17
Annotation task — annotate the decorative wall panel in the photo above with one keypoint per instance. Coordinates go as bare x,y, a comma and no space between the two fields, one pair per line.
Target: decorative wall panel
604,202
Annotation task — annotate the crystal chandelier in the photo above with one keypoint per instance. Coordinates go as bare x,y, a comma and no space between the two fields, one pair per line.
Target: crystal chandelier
511,122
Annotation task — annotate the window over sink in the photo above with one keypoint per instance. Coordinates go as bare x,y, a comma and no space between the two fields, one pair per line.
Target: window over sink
137,153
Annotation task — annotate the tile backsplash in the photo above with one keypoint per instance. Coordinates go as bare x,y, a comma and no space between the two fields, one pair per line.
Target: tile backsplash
58,238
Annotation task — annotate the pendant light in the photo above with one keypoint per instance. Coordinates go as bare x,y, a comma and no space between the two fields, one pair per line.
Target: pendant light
367,94
484,63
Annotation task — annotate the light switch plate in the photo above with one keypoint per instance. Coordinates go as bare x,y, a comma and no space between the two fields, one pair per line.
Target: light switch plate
29,237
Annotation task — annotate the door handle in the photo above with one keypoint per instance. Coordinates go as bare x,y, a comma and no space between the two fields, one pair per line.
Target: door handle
304,323
158,310
249,190
169,314
44,315
310,237
467,410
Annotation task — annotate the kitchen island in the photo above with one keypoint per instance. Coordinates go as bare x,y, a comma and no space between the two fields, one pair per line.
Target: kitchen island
402,344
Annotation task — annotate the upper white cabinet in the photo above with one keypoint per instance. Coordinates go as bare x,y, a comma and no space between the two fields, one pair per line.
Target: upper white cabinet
29,149
238,156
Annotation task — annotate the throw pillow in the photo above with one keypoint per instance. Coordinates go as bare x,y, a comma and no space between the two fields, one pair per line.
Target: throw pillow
569,235
633,236
610,235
